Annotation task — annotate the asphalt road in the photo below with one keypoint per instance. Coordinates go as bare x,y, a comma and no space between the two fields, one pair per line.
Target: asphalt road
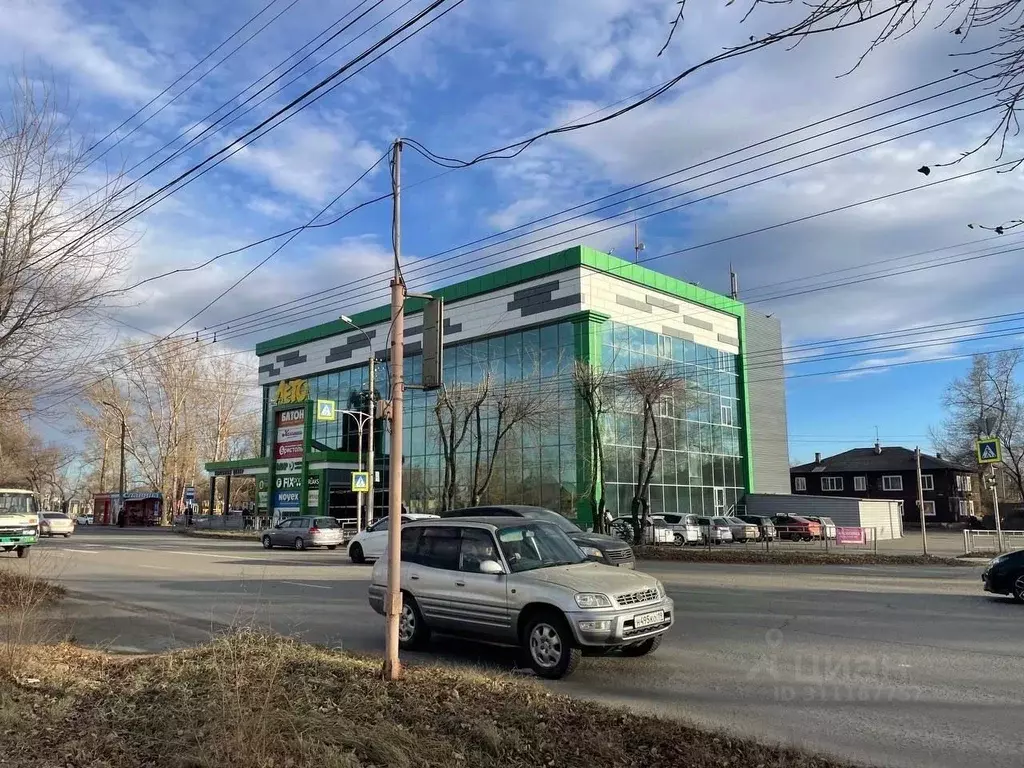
894,666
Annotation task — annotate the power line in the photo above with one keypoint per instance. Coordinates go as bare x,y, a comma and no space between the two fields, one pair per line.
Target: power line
430,262
296,105
181,77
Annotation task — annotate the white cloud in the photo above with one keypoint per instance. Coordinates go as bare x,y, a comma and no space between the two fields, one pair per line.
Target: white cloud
51,31
309,157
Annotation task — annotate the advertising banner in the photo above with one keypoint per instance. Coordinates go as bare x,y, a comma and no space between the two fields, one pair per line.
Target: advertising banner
849,535
291,417
289,434
286,499
288,450
313,493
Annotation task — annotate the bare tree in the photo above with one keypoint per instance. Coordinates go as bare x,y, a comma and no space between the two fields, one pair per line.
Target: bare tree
593,386
57,264
654,391
513,406
455,409
987,400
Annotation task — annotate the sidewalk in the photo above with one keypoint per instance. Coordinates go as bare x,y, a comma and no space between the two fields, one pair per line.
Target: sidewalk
940,543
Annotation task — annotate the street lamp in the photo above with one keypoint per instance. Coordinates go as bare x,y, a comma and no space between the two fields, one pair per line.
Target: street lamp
120,496
370,408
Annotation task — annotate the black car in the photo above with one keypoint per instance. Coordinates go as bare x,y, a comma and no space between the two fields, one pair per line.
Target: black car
606,549
765,526
1005,575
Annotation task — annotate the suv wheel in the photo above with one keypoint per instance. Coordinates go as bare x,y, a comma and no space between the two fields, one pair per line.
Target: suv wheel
22,551
412,630
650,645
267,543
355,553
1018,589
300,544
550,647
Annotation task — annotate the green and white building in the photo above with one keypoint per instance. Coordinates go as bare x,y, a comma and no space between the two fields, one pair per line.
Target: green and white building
526,325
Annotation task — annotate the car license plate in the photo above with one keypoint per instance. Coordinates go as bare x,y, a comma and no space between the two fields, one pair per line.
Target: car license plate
648,619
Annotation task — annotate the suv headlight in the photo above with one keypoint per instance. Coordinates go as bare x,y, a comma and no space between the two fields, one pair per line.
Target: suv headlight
593,600
591,552
660,587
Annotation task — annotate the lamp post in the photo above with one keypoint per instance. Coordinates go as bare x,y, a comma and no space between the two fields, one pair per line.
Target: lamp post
370,413
121,522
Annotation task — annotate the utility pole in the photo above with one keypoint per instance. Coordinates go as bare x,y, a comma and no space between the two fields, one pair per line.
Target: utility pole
734,283
371,406
393,602
995,507
637,245
920,501
121,521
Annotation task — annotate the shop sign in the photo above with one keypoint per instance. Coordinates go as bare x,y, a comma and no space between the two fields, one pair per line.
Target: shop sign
286,499
294,391
288,451
288,467
289,434
291,417
288,482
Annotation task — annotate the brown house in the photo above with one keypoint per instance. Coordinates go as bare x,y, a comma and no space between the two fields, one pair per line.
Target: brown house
889,472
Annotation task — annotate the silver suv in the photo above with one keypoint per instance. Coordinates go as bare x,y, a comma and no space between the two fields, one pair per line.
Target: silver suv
521,582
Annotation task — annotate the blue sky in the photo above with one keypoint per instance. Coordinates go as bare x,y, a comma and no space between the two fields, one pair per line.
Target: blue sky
490,73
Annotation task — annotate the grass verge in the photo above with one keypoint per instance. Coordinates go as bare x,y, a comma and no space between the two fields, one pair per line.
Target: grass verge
255,701
787,557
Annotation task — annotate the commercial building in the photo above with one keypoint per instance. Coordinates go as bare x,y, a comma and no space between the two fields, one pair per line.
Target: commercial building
890,473
522,329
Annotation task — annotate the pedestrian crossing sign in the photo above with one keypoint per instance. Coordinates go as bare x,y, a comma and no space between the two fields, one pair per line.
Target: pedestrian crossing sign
989,450
360,482
325,410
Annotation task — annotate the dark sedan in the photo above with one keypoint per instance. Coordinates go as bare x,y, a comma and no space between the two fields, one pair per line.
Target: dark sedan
1005,575
606,549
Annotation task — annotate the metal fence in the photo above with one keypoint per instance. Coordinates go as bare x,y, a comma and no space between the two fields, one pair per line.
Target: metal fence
223,522
988,541
836,539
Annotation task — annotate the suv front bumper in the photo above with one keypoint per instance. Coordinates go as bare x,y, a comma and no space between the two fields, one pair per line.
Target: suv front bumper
617,626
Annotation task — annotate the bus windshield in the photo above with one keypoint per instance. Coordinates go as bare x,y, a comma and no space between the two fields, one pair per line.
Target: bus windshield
15,503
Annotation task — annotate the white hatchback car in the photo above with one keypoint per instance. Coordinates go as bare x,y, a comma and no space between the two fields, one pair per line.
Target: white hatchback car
373,542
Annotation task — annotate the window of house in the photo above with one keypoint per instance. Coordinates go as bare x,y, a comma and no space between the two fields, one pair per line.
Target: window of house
927,483
892,483
727,415
963,483
831,483
800,483
929,509
860,483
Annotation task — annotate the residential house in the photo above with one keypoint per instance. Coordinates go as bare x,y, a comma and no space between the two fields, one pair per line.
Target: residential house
890,472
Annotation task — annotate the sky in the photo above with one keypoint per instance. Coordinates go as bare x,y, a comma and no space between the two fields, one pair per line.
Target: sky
488,74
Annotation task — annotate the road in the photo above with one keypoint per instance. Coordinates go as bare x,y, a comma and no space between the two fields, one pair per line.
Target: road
886,665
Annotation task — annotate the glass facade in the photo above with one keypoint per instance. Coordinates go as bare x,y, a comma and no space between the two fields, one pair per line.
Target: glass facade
535,462
700,467
700,463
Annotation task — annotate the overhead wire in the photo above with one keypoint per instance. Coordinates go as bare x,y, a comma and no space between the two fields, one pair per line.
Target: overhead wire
431,262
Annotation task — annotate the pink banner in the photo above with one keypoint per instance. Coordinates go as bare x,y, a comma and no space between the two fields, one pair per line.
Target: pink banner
849,535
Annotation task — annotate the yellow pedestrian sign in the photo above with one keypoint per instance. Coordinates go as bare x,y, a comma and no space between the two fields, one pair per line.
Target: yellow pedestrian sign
325,410
361,482
990,451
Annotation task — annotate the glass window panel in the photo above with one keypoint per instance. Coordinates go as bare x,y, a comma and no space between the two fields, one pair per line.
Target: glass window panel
683,501
657,500
496,348
707,473
549,337
729,469
670,499
697,501
565,335
719,471
651,344
636,341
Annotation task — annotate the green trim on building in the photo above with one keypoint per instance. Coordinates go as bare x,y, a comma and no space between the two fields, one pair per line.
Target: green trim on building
227,466
586,327
748,437
577,256
341,457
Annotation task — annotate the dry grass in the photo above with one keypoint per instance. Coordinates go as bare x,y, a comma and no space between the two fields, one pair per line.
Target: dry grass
24,599
255,701
787,557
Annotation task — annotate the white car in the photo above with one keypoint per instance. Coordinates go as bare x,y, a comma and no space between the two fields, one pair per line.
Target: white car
55,524
83,520
371,544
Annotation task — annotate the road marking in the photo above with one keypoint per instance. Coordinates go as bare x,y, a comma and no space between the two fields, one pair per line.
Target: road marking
301,584
82,551
156,567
